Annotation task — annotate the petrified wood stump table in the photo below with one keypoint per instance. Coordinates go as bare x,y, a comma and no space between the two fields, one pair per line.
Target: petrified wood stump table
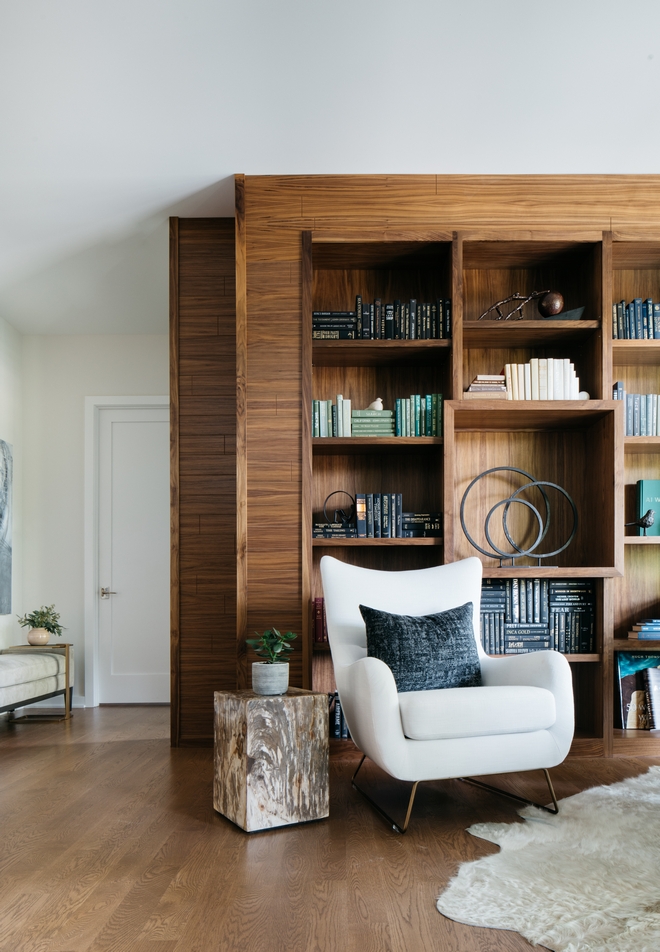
271,758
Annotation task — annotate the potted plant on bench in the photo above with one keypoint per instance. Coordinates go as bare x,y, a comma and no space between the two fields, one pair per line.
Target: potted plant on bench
42,622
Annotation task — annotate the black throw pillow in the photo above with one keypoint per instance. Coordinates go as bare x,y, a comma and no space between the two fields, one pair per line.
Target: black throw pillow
425,652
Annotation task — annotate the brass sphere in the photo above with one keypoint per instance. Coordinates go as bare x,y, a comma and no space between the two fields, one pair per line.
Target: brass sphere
551,303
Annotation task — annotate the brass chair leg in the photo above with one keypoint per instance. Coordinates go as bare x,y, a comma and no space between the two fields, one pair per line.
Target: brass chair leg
514,796
395,826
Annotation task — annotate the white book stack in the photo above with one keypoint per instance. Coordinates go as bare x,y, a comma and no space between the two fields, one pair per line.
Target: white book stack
542,378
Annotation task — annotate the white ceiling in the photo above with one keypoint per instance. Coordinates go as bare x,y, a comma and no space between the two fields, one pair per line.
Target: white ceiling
115,114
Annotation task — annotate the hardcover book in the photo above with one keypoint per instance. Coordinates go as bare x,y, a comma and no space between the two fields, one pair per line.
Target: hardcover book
648,497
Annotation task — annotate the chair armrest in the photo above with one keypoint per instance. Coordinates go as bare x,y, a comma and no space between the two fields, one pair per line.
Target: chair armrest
541,669
370,702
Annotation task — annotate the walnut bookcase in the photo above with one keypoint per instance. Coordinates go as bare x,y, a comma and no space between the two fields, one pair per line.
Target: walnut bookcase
577,444
475,239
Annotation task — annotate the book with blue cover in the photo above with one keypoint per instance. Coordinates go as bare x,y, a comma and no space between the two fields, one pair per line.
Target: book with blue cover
648,497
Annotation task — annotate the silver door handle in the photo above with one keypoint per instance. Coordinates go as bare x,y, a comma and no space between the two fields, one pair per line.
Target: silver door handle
106,593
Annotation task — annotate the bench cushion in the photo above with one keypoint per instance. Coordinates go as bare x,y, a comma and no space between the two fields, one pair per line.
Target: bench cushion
471,712
23,667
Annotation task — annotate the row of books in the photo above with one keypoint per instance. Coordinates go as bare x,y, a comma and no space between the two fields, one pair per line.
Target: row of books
648,629
417,415
640,416
338,725
639,320
399,320
565,631
542,378
639,690
527,614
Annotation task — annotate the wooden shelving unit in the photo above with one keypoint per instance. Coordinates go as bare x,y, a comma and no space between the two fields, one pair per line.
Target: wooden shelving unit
474,239
577,444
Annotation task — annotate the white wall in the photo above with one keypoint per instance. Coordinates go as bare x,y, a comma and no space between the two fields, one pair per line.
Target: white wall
58,373
11,432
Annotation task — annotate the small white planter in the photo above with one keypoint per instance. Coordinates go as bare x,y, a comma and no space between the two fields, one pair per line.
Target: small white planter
270,678
38,636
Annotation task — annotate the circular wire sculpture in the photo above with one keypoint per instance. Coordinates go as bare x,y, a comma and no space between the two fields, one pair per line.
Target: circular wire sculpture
543,521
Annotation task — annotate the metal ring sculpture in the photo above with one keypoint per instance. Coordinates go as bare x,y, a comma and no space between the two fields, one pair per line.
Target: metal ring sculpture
543,524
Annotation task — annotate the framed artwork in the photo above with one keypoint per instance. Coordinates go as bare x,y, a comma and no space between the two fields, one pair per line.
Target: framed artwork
6,481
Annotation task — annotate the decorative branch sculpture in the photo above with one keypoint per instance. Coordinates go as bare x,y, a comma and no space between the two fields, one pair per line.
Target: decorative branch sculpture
550,304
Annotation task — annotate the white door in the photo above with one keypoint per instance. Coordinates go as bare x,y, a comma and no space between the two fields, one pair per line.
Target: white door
134,556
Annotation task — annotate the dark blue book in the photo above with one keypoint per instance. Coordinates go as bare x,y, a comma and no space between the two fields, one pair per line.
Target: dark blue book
639,328
377,516
656,321
385,516
413,319
370,515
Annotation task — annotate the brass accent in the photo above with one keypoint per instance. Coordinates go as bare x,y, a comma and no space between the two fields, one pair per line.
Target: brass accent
514,796
395,826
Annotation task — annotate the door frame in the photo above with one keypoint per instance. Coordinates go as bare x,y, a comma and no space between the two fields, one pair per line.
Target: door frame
93,406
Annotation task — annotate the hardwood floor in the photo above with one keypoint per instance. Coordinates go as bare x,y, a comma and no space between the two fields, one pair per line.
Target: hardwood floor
109,843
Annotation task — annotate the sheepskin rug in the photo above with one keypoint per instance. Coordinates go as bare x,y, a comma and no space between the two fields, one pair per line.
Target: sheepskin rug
586,880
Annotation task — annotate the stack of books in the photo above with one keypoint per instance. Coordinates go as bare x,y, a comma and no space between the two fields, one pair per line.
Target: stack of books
334,530
542,379
487,387
639,320
421,525
419,415
520,615
372,423
648,629
640,416
334,325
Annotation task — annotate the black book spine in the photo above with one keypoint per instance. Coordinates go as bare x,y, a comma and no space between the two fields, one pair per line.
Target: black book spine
377,318
397,320
447,319
389,322
377,516
370,515
413,319
358,315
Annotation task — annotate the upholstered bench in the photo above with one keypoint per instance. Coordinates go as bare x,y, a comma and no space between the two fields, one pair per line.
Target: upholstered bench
29,674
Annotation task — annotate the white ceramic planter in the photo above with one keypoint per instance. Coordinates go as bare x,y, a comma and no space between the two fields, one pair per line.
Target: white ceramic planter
270,678
38,636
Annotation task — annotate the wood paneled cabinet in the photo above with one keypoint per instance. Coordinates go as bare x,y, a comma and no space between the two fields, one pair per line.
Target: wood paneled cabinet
577,444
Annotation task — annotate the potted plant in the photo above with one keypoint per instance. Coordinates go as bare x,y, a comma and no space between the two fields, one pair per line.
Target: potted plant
42,622
272,675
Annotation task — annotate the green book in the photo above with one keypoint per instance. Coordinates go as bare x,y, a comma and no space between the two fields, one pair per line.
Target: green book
648,497
372,414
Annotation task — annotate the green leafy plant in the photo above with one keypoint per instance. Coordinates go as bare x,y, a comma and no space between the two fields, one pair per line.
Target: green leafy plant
272,645
44,617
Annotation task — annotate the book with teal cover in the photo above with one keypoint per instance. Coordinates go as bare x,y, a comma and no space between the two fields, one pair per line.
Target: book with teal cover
648,497
633,709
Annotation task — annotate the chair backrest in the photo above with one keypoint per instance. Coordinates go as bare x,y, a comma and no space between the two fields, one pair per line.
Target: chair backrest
418,592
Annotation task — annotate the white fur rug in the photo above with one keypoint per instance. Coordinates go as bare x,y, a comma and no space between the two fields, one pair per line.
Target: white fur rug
586,880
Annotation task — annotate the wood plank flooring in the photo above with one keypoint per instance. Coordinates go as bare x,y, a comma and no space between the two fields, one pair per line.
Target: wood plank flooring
109,843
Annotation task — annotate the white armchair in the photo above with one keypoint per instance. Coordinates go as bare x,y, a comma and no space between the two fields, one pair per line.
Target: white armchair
521,718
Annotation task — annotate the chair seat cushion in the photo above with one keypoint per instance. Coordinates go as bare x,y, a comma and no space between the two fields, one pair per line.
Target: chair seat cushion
470,712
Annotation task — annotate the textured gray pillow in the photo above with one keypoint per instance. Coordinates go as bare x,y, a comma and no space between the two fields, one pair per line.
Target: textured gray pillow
425,652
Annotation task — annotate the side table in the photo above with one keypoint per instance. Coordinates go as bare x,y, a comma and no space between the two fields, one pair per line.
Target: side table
271,758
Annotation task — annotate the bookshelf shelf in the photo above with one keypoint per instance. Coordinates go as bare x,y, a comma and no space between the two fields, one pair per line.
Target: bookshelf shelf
641,444
641,540
377,353
626,352
571,658
635,644
537,333
373,543
351,445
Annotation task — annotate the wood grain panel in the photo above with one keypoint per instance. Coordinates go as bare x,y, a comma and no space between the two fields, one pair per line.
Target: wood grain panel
204,519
